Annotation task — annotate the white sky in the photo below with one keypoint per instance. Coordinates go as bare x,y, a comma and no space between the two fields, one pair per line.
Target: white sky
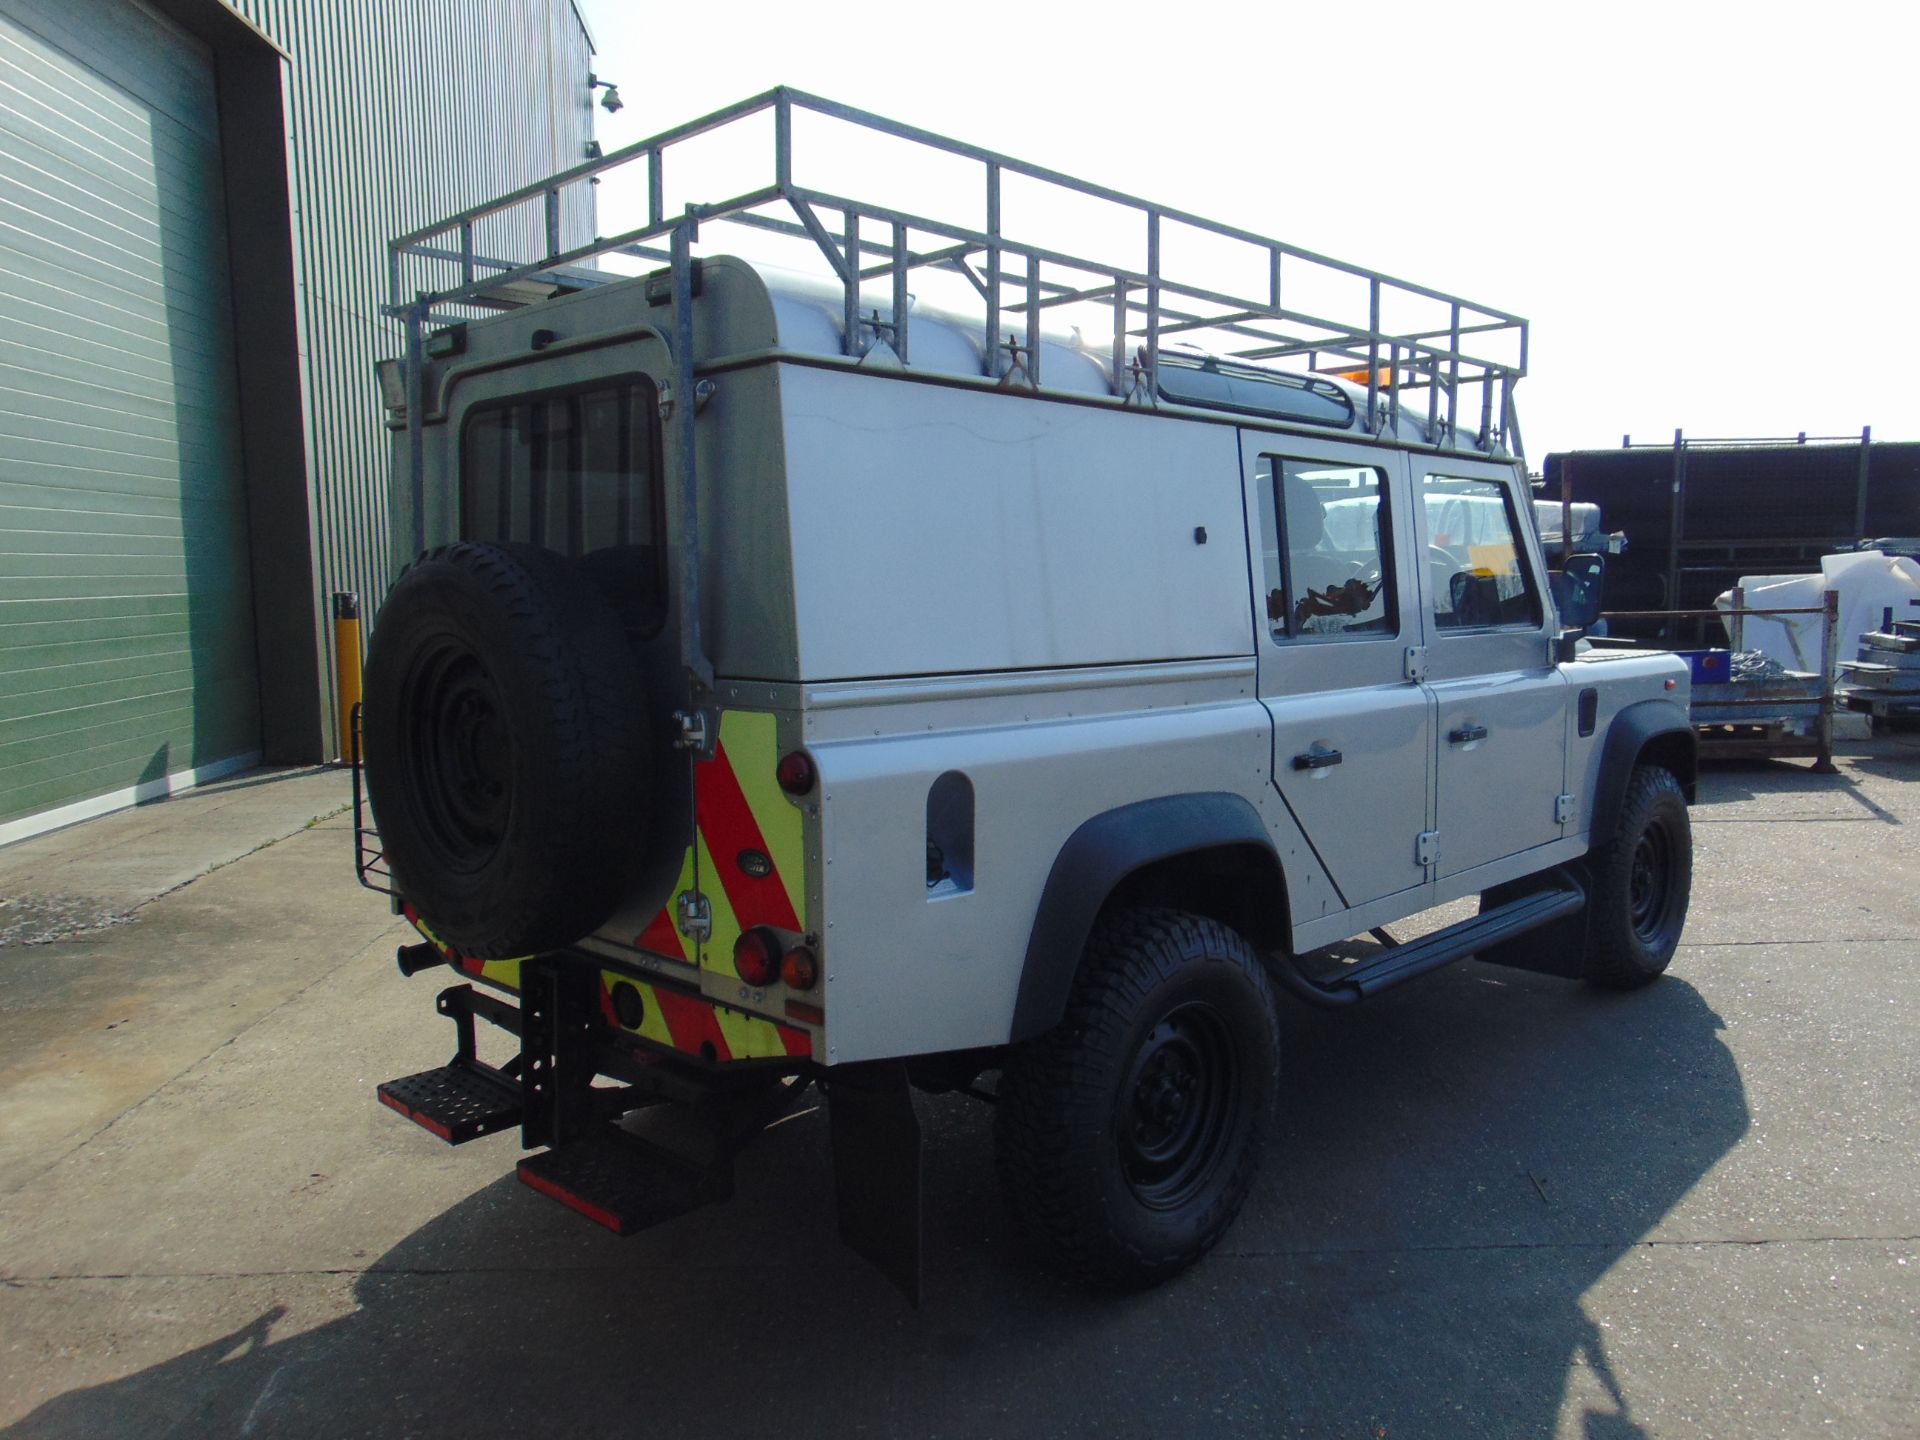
1708,212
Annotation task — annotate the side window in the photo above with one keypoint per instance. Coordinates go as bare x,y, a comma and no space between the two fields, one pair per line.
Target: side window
1479,574
1328,535
575,471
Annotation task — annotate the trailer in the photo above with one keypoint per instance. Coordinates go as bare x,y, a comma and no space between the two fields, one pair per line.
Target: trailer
1738,714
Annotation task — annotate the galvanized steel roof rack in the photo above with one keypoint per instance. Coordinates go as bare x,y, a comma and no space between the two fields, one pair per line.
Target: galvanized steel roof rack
1397,338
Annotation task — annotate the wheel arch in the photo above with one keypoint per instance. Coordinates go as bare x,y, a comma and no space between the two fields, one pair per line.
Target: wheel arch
1647,732
1209,853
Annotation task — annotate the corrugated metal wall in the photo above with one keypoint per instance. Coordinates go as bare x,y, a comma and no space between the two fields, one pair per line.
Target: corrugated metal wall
403,111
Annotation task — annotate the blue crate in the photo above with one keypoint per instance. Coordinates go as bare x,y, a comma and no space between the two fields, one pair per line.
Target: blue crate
1709,667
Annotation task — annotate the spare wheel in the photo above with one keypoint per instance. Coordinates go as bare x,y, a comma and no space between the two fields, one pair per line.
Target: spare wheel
505,733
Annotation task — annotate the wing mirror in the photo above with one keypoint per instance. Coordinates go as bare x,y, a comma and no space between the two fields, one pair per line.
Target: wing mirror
1576,590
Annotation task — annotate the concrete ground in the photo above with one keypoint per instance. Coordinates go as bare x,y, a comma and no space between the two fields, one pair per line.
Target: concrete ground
1499,1205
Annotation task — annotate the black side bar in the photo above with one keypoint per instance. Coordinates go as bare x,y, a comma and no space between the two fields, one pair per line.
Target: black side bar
1411,958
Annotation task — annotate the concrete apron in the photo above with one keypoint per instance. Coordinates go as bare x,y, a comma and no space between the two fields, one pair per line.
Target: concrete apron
1496,1204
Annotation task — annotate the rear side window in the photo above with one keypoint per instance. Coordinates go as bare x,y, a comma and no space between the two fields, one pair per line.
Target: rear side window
1327,538
1479,577
575,471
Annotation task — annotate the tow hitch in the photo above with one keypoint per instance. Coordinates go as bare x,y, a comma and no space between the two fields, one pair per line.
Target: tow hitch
606,1170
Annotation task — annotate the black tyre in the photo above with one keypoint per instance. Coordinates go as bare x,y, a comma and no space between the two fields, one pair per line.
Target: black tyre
506,741
1642,879
1128,1136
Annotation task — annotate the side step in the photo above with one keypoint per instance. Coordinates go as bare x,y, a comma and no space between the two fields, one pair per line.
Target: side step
458,1102
1417,957
622,1182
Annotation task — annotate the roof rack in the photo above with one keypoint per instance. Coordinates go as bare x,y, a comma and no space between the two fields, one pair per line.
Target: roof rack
1396,338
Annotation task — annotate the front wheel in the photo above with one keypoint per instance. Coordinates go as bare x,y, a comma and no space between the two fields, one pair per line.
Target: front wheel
1128,1135
1642,879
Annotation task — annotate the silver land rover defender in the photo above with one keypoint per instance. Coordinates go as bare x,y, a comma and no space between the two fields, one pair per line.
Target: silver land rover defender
987,654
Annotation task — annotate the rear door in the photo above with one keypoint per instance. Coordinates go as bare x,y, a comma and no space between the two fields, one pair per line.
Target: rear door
1353,750
1501,704
566,452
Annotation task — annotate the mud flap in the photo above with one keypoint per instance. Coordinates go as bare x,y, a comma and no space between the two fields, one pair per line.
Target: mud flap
1558,948
876,1168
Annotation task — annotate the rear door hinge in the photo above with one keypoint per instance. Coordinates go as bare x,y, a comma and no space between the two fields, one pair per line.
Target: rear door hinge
1426,849
695,730
695,916
1416,663
1564,809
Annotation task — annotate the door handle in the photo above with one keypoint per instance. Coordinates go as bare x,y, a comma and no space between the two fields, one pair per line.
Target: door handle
1467,734
1317,759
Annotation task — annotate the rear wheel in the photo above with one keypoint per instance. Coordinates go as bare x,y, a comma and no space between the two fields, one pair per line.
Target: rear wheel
1642,880
1128,1136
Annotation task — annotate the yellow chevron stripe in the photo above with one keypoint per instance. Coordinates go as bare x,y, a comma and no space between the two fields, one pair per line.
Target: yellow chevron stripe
716,952
748,1036
753,745
651,1026
502,972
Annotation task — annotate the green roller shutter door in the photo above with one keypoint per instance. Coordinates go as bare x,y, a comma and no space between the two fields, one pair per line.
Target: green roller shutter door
126,634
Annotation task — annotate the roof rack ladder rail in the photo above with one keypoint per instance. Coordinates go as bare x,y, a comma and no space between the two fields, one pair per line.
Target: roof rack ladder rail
699,668
900,297
1033,320
992,357
416,369
850,284
1153,306
1393,386
1120,317
1373,351
1453,373
1486,407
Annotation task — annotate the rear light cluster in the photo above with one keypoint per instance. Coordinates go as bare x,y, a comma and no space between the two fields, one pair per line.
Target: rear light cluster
795,773
758,959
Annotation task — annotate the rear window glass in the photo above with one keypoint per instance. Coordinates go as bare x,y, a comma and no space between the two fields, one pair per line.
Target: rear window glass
576,471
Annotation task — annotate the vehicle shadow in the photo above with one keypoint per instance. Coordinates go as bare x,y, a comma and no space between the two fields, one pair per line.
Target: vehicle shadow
1456,1165
1725,782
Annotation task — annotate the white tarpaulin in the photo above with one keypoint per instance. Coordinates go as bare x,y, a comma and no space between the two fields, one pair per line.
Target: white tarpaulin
1869,583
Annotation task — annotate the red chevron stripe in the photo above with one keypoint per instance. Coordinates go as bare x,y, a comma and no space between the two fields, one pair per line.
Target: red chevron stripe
662,937
690,1022
727,821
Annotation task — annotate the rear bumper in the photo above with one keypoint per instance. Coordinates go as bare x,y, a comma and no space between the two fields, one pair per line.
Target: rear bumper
657,1014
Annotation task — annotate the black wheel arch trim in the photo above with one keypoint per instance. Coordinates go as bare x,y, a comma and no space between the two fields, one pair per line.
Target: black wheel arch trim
1632,730
1096,859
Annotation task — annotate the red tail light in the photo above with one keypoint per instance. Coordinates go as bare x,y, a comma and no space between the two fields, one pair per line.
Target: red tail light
795,772
801,968
756,955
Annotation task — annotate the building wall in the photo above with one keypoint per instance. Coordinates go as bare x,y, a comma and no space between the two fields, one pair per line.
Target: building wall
198,197
399,113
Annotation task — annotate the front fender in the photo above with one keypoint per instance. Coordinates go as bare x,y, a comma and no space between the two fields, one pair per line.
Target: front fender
1636,727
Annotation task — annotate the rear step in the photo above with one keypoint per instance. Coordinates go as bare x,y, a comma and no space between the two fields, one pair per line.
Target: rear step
624,1183
1417,957
458,1102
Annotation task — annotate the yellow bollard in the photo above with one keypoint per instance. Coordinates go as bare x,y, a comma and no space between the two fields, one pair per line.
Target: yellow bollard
346,665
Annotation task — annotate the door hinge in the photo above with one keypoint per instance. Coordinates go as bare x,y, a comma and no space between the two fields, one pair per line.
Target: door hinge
1426,849
695,731
665,389
695,915
1564,809
1416,663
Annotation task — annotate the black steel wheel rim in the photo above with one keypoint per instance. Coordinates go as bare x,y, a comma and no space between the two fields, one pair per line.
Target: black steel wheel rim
459,756
1178,1105
1650,882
